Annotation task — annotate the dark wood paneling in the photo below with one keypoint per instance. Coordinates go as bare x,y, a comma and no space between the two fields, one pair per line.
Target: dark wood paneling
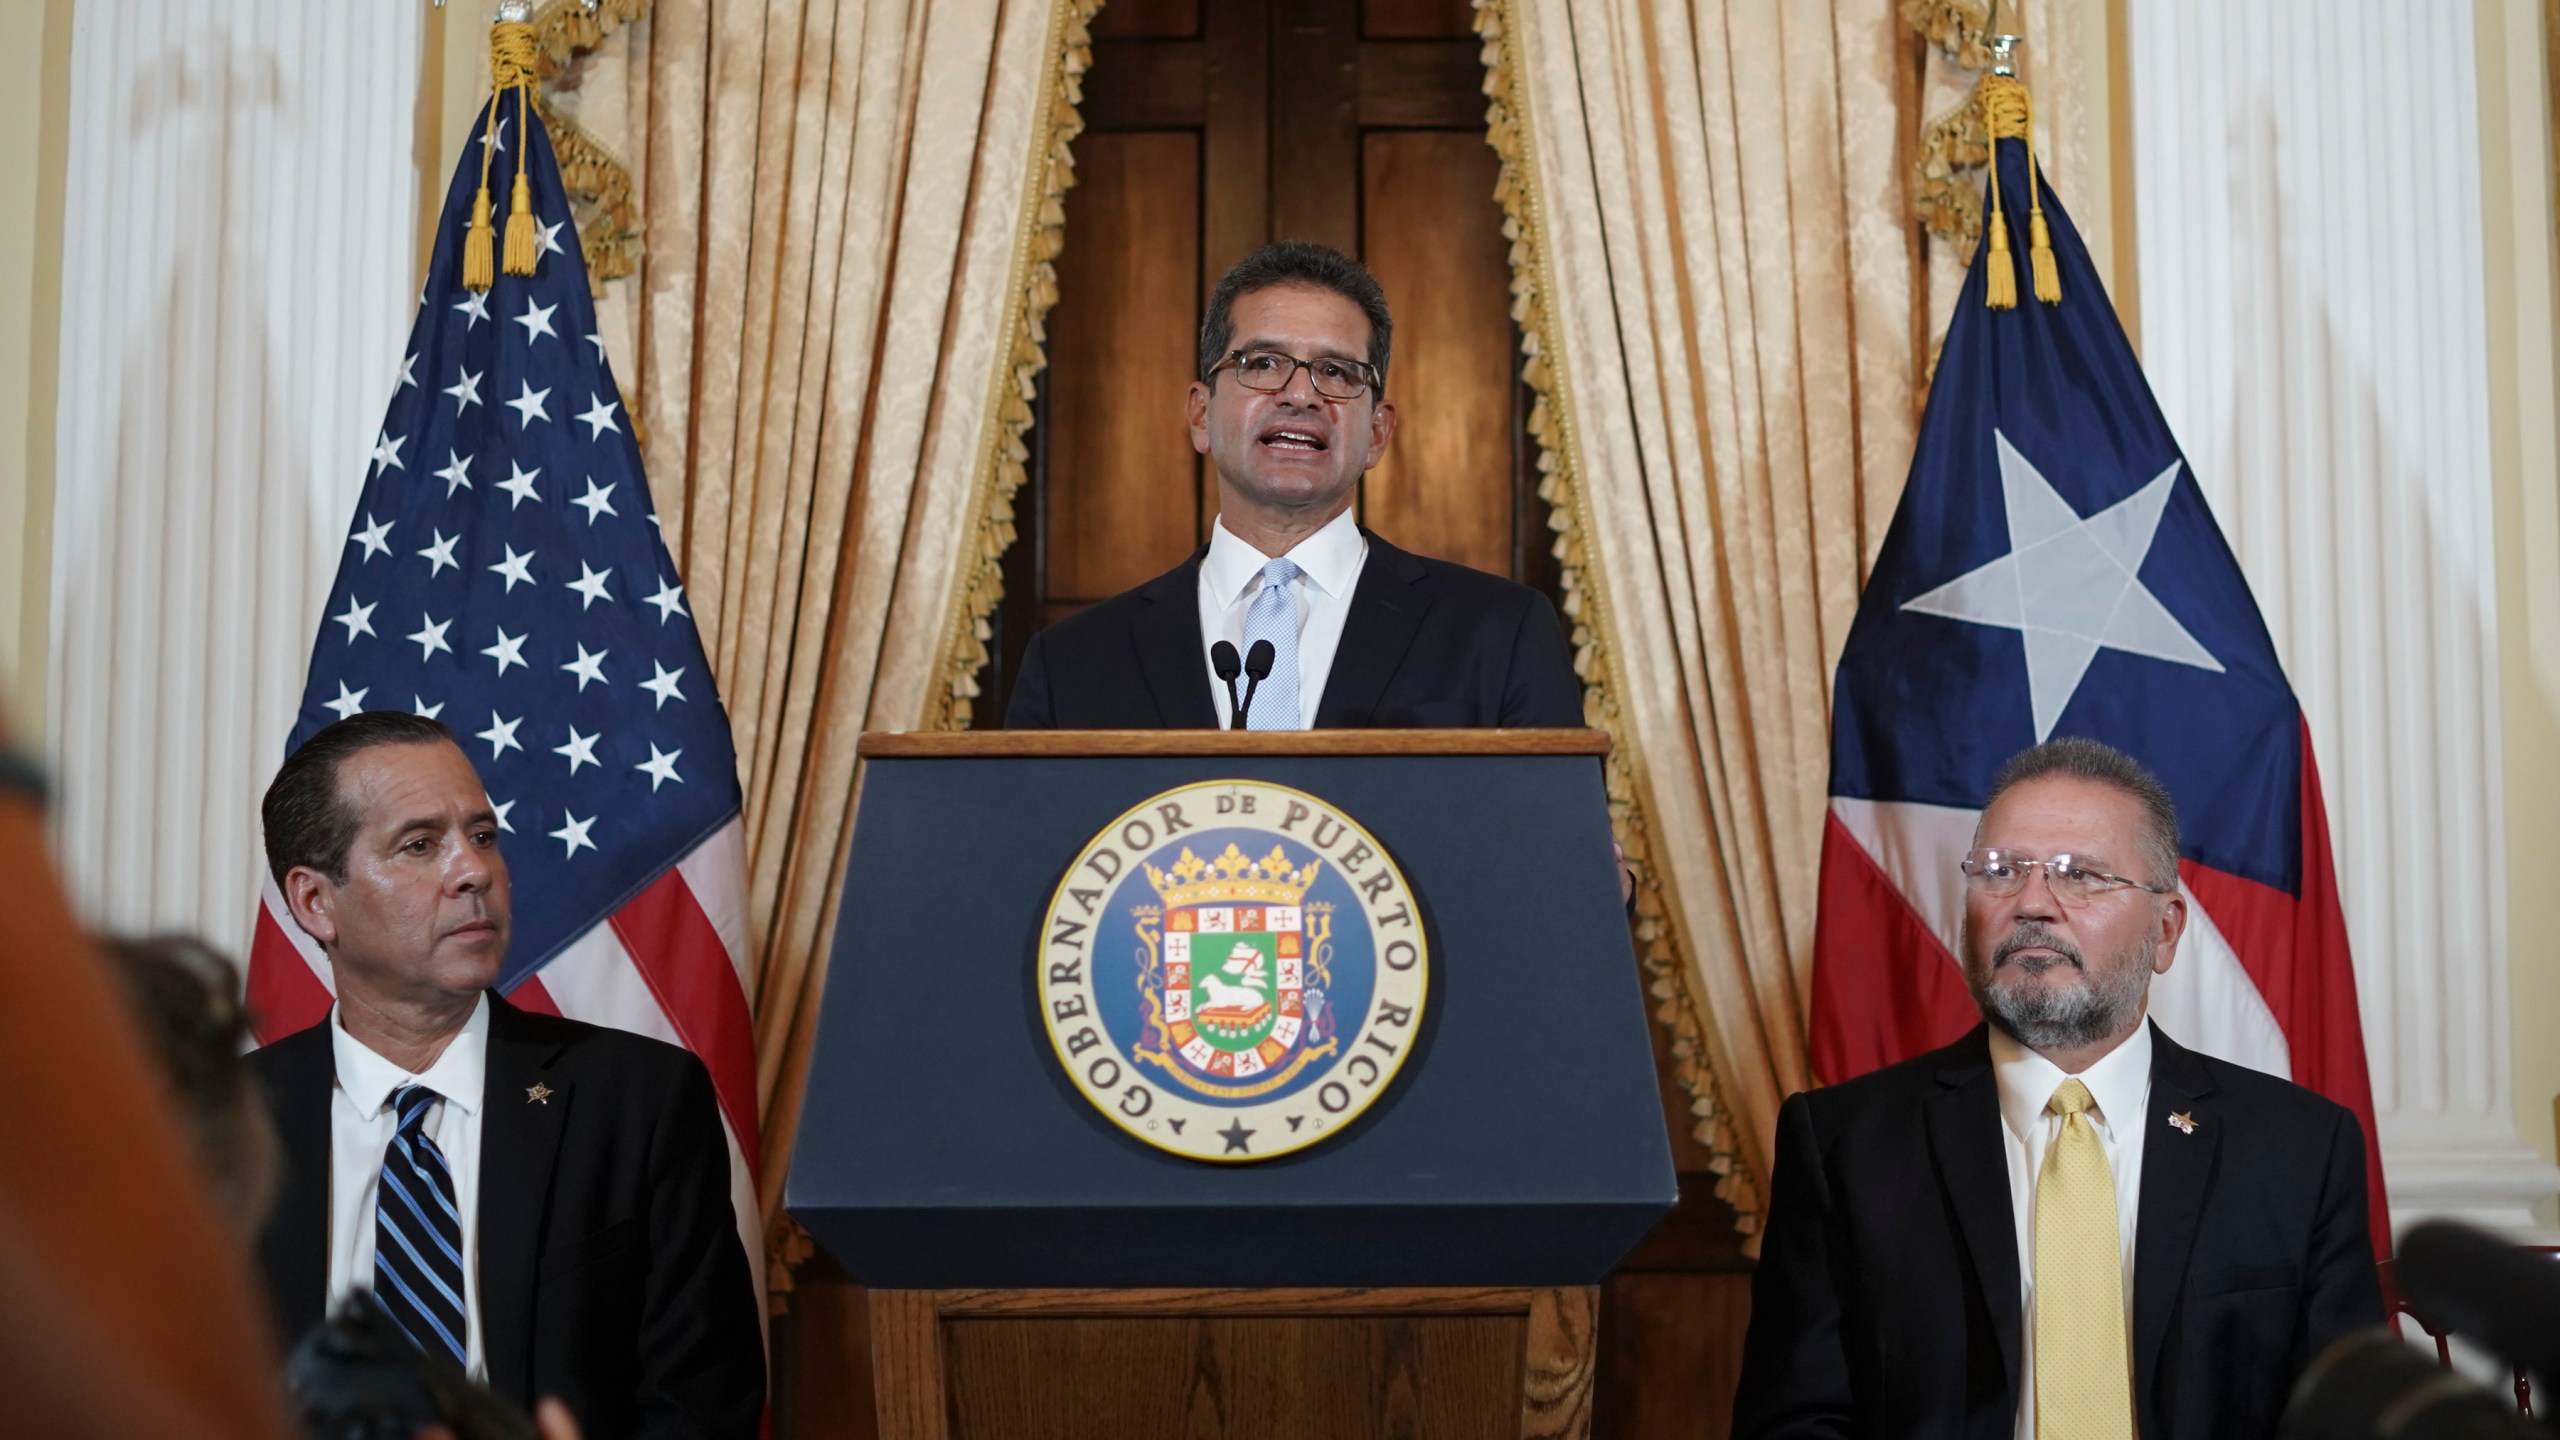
1121,469
1434,240
1280,1379
1146,85
1236,119
1417,19
822,1358
1154,19
1422,84
1315,142
1671,1353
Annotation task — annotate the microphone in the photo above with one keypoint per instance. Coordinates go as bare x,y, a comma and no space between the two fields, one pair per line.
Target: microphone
1257,667
1222,659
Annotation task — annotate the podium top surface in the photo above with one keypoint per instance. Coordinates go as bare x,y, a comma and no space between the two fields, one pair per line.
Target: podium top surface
1061,744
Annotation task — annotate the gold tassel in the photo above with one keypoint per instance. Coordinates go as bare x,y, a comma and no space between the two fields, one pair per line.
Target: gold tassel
479,246
523,241
2040,259
2000,275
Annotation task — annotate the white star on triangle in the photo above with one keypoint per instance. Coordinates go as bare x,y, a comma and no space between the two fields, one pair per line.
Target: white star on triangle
663,684
375,537
358,619
386,452
599,418
528,404
346,704
581,749
409,371
430,638
501,736
598,500
2070,585
659,767
550,238
465,389
456,473
597,340
508,651
496,135
590,584
500,808
574,833
514,568
519,483
587,668
419,707
669,600
536,321
474,307
440,555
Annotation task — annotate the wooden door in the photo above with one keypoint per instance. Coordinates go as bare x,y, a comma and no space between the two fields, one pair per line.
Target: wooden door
1212,126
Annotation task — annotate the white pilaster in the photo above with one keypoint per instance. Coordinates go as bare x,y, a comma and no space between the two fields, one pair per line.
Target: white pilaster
238,263
2307,201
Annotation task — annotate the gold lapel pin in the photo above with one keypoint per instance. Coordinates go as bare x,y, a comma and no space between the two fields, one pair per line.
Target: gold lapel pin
540,1094
2186,1123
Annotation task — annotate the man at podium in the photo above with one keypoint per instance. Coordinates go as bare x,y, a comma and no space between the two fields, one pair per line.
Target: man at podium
1292,613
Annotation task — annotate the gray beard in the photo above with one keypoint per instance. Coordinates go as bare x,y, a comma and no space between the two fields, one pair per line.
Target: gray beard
2047,1020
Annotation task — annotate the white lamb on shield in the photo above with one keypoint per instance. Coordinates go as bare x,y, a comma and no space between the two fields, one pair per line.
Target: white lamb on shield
1244,963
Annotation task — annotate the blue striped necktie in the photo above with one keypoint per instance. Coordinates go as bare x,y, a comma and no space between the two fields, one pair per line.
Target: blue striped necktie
1273,616
417,1236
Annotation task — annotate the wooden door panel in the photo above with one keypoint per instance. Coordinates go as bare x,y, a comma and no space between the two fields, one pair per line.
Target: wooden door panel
1122,475
1148,19
1432,234
1416,19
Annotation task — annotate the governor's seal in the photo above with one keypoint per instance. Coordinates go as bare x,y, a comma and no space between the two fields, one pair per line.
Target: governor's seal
1233,970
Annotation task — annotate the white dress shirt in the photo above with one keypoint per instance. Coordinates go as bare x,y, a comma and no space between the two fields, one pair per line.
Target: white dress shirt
1231,575
361,1124
2120,1089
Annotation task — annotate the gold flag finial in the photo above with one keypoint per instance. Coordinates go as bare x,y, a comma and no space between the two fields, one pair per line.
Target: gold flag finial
512,58
2008,113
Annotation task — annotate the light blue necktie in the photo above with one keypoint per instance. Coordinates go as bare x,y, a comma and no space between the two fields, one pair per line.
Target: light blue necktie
1273,616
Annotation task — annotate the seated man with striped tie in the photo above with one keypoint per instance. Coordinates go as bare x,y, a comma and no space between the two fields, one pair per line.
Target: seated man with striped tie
2066,1225
1329,624
544,1201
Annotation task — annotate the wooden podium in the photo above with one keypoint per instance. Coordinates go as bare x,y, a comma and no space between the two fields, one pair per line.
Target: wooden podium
1036,1273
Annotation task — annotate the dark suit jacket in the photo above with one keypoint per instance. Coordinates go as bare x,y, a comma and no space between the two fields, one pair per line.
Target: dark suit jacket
1426,643
1886,1302
611,1273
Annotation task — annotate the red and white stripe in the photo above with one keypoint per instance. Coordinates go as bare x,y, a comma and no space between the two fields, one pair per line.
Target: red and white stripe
671,964
2261,979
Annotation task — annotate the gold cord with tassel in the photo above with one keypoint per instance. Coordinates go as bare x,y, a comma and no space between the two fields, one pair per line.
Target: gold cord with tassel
2008,113
513,55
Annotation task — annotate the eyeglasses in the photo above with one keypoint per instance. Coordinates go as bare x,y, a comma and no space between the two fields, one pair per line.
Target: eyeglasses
1270,371
2074,879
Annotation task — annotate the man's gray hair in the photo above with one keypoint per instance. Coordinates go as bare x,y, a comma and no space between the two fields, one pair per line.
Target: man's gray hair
2081,758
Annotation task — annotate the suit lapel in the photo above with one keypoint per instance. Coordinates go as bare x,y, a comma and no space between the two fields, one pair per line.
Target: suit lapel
2177,1180
295,1247
1964,1139
1166,632
519,1140
1387,607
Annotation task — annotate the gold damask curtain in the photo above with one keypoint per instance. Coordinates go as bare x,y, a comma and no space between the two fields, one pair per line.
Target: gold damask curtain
849,209
1729,309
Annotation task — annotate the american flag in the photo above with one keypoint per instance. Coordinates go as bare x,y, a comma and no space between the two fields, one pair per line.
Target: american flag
504,573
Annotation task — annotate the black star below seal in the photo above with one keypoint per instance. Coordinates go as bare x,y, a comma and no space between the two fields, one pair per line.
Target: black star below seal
1236,1135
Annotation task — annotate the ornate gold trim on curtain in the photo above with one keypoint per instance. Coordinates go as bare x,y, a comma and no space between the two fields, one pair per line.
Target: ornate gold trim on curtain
1034,287
1551,424
563,31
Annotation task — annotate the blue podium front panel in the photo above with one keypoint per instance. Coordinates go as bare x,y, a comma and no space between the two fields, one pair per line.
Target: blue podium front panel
941,1145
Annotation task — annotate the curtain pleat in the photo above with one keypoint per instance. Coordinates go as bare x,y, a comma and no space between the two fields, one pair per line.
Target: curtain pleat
846,204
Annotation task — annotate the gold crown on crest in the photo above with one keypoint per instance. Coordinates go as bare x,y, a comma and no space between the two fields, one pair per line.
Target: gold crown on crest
1232,878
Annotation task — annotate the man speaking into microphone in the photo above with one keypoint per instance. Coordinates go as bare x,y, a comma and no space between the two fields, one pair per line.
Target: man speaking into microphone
1292,613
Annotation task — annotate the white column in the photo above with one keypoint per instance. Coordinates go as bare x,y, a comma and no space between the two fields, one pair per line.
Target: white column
2307,203
238,257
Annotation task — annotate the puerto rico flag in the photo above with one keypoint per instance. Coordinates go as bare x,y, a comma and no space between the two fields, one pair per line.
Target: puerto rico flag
2053,570
504,573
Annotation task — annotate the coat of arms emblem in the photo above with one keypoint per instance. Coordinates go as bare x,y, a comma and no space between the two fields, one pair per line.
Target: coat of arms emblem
1213,958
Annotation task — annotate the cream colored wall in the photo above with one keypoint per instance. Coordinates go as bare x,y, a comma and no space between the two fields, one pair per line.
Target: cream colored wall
2520,249
35,62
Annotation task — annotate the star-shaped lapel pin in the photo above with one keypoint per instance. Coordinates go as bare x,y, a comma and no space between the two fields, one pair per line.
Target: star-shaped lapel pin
2185,1123
538,1093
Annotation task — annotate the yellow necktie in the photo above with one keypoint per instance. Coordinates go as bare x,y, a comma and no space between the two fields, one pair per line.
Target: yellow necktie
2083,1389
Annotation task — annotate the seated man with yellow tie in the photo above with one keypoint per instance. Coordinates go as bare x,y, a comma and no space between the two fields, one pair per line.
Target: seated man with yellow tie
1315,620
2065,1225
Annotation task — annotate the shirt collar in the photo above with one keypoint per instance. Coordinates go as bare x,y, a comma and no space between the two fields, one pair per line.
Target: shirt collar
1331,557
2117,1081
458,1074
